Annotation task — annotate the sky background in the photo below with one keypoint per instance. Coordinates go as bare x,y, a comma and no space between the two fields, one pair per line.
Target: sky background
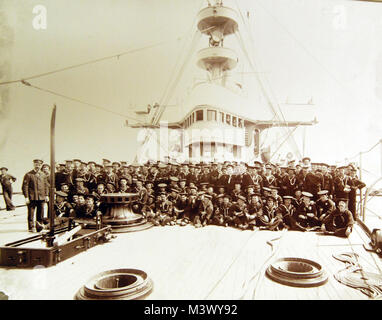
329,50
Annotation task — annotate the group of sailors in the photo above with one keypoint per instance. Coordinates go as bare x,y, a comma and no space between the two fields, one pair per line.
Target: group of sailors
304,196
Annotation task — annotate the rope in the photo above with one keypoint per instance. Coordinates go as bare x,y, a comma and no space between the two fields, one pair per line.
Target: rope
363,152
166,95
77,100
289,134
292,142
88,62
274,251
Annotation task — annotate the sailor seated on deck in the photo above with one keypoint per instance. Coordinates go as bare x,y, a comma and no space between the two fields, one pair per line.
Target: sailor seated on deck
305,217
286,211
218,216
255,209
89,210
239,211
324,204
62,208
181,208
163,214
148,209
204,210
269,219
339,222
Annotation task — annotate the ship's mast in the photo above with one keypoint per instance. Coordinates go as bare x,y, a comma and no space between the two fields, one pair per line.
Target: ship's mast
217,22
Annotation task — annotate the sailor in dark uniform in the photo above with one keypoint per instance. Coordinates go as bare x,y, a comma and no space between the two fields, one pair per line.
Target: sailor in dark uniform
162,187
236,192
252,178
269,179
183,172
173,183
150,188
69,174
341,184
269,219
266,192
203,186
182,185
46,169
110,187
35,189
62,208
218,216
210,191
327,179
289,182
221,180
214,174
309,182
79,205
6,181
110,176
205,176
248,192
173,196
305,216
148,209
142,196
275,194
192,177
255,209
306,161
123,186
80,187
229,180
340,221
204,210
164,212
324,204
181,209
355,184
101,190
239,211
89,210
286,211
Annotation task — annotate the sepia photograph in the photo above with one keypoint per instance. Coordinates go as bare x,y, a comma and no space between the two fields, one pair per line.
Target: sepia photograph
203,152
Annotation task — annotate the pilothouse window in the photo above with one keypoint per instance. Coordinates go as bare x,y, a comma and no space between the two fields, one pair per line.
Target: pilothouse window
211,115
199,115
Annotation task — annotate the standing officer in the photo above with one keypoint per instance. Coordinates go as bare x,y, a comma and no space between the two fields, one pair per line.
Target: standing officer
6,181
355,184
36,192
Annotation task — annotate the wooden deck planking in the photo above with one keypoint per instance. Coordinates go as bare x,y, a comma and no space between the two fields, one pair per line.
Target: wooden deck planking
188,263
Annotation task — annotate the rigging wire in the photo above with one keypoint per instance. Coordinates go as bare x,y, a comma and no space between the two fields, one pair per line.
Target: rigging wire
79,101
291,141
318,62
89,62
160,110
363,152
253,66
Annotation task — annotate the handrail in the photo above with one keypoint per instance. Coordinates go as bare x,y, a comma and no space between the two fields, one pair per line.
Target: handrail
368,190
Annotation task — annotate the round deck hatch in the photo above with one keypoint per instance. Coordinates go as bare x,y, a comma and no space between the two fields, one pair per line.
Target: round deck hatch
118,284
297,272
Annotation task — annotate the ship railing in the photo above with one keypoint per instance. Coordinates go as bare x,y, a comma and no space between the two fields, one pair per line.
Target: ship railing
364,199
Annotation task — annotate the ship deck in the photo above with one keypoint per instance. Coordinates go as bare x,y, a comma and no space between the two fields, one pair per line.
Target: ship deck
188,263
